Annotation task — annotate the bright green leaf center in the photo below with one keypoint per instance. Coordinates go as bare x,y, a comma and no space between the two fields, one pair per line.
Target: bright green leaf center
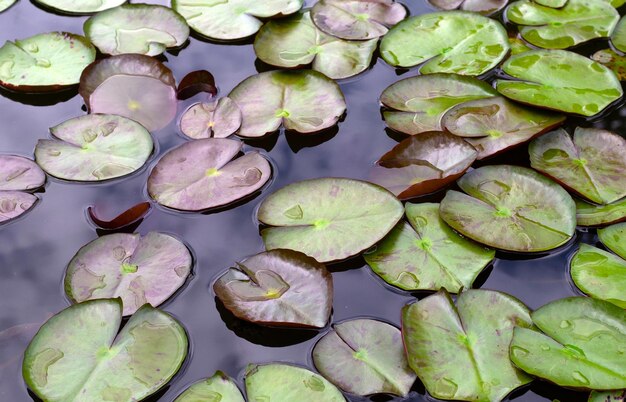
321,223
425,243
360,354
133,105
129,268
580,162
495,133
503,212
282,113
212,172
362,17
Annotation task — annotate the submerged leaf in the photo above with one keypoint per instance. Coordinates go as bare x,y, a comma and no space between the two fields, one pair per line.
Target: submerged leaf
600,215
614,238
196,82
599,274
484,7
218,119
218,388
80,7
615,62
130,216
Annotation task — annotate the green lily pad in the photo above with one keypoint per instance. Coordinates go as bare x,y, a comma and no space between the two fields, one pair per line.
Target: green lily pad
136,28
204,174
446,42
510,208
5,4
461,352
80,7
484,7
614,238
600,215
423,164
582,344
284,382
608,396
303,100
78,354
138,269
313,216
599,274
217,119
364,357
18,176
294,41
44,62
592,164
618,37
560,80
552,3
278,288
357,19
217,388
416,104
613,61
94,147
426,254
232,19
517,45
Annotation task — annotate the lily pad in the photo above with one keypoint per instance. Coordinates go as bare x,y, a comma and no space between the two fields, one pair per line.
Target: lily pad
284,382
196,82
44,62
18,176
313,216
357,19
552,3
304,101
517,45
233,19
510,208
80,7
599,274
218,119
94,147
618,37
138,269
608,396
423,164
294,41
78,354
560,80
5,4
446,42
416,104
278,288
217,388
615,62
462,352
136,28
484,7
426,254
582,344
600,215
494,125
614,238
204,174
592,164
364,357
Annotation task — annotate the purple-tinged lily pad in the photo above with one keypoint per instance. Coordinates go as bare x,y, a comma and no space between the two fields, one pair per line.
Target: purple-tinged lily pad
484,7
614,238
218,388
18,176
599,274
204,174
218,119
14,204
127,218
607,396
613,61
80,7
138,269
600,215
196,82
278,288
5,4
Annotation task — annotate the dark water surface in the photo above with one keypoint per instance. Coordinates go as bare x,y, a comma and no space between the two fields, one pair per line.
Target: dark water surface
34,251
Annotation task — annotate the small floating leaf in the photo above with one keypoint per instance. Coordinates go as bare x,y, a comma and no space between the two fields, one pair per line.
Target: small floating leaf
484,7
80,7
196,82
599,274
600,215
217,119
614,238
608,396
615,62
218,388
125,219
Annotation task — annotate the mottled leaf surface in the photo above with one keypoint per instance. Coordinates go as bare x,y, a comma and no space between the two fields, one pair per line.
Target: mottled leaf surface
15,203
607,396
599,274
618,37
82,6
217,119
218,388
614,238
613,61
18,175
600,215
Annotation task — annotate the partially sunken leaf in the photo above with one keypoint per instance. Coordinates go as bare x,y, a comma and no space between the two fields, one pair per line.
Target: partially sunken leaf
600,215
462,352
138,269
618,37
130,216
364,357
218,388
233,19
416,104
423,164
80,7
582,345
592,164
426,254
196,82
94,147
284,382
484,7
446,42
357,19
495,124
327,218
304,101
615,62
607,396
136,28
78,355
218,119
510,208
614,238
295,41
44,62
5,4
560,80
204,174
278,288
17,176
599,274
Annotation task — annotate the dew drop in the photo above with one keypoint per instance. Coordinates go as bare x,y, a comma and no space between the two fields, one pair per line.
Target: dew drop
565,324
315,384
294,212
89,135
17,173
181,271
119,253
545,347
6,69
408,280
7,205
519,351
446,388
45,63
54,152
31,48
579,377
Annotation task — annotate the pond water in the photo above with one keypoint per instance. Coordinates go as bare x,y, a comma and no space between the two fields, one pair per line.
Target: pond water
35,250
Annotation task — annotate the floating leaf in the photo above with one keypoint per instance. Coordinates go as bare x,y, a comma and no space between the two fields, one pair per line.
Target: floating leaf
364,357
461,352
204,174
614,238
17,176
278,288
510,208
613,61
618,37
196,82
446,42
314,216
560,80
426,254
484,7
5,4
552,3
600,215
79,355
599,274
136,28
608,396
304,101
80,7
582,345
416,104
125,219
94,147
44,62
517,45
494,125
233,19
217,119
592,164
217,388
